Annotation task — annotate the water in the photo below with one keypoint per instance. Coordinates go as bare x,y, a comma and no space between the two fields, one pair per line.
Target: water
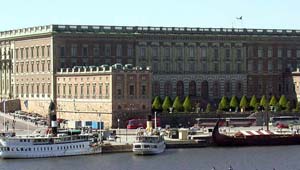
243,158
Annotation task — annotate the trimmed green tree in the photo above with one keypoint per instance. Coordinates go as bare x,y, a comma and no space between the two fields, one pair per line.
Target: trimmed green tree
244,103
156,105
223,105
282,102
273,101
167,103
288,106
297,109
234,103
253,103
177,105
208,108
264,102
187,104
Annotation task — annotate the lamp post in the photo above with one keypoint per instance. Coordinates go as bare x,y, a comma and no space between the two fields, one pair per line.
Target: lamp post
119,128
100,134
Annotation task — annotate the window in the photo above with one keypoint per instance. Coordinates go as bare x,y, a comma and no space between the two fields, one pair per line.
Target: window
216,54
43,90
32,90
32,50
37,66
289,53
26,53
250,64
119,92
119,50
75,90
260,66
70,89
180,52
129,51
107,50
85,51
43,51
48,89
260,52
64,89
204,67
48,63
279,52
107,90
81,90
100,89
270,52
43,66
73,51
48,51
37,51
203,52
87,90
239,54
270,66
27,67
131,90
27,90
227,54
17,53
32,66
142,51
96,51
154,52
143,90
21,50
192,52
62,51
37,90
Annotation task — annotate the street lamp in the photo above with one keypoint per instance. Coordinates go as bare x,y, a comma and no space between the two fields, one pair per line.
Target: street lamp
100,135
119,128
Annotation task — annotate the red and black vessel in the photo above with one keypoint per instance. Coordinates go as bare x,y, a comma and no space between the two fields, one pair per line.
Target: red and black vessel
254,138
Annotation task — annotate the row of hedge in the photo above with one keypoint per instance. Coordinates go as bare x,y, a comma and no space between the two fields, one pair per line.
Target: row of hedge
225,105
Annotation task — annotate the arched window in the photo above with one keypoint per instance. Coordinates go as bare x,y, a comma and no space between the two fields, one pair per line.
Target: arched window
180,89
204,89
192,88
168,88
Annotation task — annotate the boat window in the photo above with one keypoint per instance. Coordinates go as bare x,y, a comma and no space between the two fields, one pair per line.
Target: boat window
146,146
137,146
29,149
22,149
12,149
7,148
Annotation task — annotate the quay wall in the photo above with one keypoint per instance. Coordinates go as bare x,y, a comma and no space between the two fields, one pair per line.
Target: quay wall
10,105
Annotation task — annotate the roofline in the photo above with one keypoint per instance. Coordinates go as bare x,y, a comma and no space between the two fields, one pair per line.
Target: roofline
37,30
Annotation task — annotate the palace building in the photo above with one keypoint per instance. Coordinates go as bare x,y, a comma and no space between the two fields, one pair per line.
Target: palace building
204,63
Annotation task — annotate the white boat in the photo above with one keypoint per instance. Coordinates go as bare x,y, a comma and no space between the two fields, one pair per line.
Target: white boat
148,143
48,146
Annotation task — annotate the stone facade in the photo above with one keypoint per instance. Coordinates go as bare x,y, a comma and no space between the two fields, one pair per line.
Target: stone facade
108,92
205,63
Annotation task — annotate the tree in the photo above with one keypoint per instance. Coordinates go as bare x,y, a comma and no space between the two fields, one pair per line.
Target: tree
156,105
167,103
283,101
187,104
177,105
234,102
253,102
297,109
208,108
244,103
288,106
264,102
223,105
273,101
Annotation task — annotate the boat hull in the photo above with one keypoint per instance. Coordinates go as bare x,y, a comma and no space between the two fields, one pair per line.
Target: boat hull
257,140
151,150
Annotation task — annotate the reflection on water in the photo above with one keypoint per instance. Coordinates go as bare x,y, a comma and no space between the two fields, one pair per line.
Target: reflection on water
243,158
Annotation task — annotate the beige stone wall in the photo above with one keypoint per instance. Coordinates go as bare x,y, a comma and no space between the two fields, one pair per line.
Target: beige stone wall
39,106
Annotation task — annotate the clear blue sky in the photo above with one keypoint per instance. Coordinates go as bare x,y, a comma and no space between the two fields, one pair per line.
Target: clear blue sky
284,14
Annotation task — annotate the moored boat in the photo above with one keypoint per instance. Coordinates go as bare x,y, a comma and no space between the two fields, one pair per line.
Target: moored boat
149,141
48,146
254,138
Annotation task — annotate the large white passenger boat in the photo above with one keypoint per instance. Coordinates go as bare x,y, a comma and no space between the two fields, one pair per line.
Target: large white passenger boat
37,147
149,141
148,144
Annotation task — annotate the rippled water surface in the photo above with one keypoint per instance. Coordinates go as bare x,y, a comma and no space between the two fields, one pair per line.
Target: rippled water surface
244,158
